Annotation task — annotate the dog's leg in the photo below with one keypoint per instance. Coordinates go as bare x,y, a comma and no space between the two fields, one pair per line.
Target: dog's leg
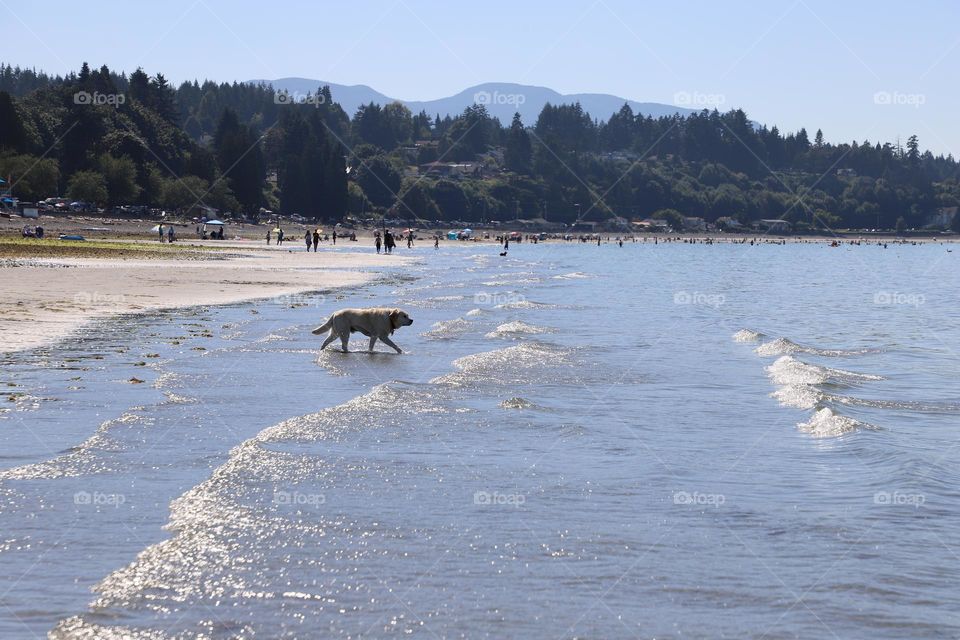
344,339
373,341
330,338
387,341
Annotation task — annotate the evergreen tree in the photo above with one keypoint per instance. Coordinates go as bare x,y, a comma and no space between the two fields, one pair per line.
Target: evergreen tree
518,154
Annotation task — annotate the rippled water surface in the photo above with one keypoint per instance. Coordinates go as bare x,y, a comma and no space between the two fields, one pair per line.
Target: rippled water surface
671,441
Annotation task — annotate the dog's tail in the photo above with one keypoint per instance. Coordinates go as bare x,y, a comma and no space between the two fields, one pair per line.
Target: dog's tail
324,327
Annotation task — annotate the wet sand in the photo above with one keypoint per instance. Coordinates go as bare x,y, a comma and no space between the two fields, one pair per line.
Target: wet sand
44,299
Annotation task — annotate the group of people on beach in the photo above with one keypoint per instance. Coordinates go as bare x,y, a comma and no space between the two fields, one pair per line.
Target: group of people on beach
171,234
388,243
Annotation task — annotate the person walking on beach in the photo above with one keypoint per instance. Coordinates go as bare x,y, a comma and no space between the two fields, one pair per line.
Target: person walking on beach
316,239
160,227
279,237
268,236
388,242
334,236
436,242
410,240
307,238
170,234
376,241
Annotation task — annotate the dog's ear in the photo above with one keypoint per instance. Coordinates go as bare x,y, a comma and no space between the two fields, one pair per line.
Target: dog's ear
394,317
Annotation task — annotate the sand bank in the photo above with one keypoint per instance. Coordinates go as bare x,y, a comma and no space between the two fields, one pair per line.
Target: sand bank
43,300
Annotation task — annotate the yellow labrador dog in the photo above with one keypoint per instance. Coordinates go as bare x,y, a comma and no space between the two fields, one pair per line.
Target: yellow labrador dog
377,324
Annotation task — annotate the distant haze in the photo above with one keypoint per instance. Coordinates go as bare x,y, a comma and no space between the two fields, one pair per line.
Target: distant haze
502,100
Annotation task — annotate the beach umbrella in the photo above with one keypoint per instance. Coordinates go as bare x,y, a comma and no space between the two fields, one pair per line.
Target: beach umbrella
214,223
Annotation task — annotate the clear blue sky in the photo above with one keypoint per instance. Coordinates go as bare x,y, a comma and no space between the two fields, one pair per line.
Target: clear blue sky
795,63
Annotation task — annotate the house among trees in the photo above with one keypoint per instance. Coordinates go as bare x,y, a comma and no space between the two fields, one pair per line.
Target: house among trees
943,218
775,226
450,169
652,224
729,223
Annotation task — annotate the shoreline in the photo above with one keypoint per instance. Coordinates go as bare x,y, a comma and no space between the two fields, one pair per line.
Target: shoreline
45,300
50,288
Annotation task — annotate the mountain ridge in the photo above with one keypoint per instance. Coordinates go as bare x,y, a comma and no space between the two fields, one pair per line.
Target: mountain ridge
502,99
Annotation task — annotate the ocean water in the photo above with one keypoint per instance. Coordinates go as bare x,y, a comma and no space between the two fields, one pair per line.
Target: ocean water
671,441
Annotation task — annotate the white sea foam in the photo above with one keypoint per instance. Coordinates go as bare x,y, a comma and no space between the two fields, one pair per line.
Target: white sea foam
517,328
516,403
746,335
84,459
798,396
525,304
784,346
447,329
824,423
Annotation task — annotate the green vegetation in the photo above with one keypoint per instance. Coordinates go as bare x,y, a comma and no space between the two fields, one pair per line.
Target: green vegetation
241,147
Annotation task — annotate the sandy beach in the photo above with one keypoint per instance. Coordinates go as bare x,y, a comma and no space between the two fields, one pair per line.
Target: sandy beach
44,299
49,288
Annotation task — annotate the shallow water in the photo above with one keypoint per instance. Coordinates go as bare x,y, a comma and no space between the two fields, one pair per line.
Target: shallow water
580,441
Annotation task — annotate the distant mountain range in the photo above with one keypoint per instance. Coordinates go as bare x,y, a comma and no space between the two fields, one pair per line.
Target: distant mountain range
502,100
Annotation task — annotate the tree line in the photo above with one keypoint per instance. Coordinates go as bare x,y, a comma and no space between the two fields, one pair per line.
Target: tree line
242,147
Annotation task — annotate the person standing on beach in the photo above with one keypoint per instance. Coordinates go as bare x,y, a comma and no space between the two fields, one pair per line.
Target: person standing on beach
170,234
279,237
307,238
376,241
334,236
160,227
268,236
436,242
316,239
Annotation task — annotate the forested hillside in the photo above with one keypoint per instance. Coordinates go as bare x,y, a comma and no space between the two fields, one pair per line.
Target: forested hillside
114,139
